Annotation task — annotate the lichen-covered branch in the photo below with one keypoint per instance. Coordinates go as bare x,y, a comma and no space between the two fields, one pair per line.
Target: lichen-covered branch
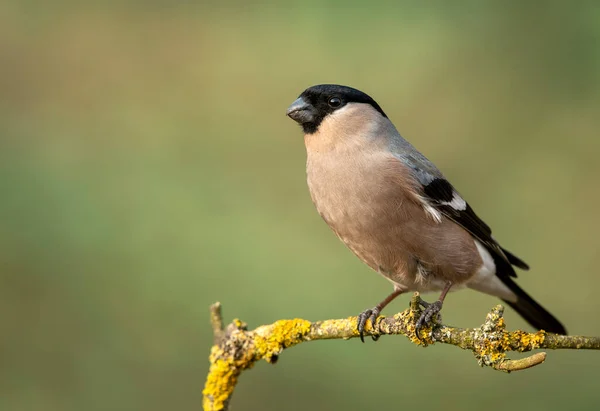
237,349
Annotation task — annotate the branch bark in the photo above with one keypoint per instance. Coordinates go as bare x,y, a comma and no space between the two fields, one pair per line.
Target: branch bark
237,349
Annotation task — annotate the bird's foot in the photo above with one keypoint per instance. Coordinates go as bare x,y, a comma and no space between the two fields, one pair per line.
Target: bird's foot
370,314
431,310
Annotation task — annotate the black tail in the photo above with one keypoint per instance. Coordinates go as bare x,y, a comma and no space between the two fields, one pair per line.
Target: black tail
532,312
514,260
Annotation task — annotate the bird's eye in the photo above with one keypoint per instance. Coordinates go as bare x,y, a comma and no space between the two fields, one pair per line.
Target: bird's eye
334,102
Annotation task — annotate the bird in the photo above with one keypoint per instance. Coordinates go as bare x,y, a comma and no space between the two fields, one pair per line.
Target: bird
395,210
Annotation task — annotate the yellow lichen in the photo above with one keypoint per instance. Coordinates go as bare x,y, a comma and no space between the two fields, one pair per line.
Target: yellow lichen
353,325
341,326
496,357
493,351
221,380
239,324
526,341
282,334
225,368
408,321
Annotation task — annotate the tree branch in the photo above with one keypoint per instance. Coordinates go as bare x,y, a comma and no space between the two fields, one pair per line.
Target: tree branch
216,321
236,349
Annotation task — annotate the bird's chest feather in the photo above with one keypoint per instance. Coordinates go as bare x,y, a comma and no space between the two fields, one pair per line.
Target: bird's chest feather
356,198
343,191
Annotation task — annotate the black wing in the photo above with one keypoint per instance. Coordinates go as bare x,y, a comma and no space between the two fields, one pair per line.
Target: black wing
440,193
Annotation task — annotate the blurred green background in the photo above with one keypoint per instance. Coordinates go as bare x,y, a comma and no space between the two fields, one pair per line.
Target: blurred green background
147,170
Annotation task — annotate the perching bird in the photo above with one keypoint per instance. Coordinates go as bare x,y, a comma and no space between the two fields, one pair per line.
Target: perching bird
395,210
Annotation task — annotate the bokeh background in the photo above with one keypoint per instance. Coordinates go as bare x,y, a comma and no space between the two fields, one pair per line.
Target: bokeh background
147,170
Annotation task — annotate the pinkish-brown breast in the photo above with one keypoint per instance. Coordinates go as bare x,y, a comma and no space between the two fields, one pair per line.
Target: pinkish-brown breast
369,199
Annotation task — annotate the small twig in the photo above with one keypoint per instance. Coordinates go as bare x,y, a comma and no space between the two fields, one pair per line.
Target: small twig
216,321
237,349
522,364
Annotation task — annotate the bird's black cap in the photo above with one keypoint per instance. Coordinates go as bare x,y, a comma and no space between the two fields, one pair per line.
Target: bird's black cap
317,102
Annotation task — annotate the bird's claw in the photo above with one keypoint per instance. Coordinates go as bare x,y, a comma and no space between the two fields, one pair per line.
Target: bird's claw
370,314
431,310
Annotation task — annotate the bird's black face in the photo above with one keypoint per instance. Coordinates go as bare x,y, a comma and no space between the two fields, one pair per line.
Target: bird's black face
317,102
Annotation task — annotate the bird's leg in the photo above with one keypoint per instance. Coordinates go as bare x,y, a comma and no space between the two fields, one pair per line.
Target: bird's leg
431,309
373,313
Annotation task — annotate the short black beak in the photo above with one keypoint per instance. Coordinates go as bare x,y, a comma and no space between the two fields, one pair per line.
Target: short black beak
301,111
